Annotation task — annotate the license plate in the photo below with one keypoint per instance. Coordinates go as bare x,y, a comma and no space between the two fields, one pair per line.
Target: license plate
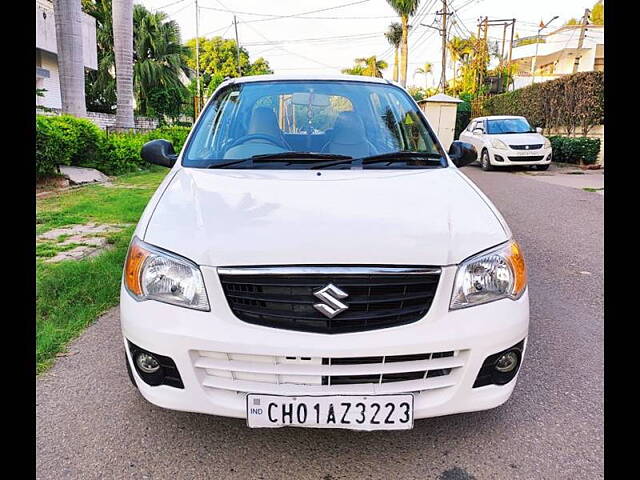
355,412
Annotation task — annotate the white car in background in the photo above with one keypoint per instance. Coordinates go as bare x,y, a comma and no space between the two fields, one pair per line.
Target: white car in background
503,141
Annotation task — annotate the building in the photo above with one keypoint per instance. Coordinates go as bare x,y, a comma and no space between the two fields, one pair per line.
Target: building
557,55
47,52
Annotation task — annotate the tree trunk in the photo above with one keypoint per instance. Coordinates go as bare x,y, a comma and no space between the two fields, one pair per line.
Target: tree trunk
122,11
68,18
404,50
395,66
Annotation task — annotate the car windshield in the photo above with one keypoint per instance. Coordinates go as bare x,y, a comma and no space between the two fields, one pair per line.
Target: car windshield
508,125
302,124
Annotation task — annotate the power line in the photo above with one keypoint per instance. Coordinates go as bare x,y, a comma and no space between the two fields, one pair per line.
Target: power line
279,17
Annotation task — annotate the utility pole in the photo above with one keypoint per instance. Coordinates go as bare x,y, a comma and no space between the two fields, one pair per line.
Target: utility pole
443,32
583,27
535,58
443,73
235,25
197,104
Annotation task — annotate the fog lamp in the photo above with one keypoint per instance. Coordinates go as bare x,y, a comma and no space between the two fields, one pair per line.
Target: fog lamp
507,362
147,362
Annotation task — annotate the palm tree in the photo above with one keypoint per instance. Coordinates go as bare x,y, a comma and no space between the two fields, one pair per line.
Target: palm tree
405,9
68,21
122,12
100,84
159,58
458,47
372,66
425,70
394,36
355,70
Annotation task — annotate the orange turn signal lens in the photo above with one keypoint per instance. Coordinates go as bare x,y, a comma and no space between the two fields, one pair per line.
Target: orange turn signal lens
133,267
516,260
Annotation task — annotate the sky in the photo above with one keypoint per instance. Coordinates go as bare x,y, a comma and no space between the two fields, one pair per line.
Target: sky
327,41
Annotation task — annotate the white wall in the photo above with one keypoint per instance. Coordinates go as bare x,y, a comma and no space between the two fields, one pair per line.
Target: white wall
46,33
51,97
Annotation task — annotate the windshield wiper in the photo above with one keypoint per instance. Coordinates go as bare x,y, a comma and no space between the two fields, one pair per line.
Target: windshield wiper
299,155
230,163
281,156
391,157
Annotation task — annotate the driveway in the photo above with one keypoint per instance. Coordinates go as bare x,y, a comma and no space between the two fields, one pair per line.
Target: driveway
91,423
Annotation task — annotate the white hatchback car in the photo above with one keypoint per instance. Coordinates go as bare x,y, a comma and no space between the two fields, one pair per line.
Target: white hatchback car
315,258
506,141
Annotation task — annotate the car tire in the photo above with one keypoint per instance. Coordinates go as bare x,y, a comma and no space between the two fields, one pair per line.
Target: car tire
542,167
133,380
485,163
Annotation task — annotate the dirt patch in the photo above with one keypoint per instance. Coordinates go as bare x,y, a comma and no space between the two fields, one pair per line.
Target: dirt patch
76,242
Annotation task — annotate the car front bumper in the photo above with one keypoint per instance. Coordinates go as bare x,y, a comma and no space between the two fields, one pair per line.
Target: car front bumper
512,157
202,343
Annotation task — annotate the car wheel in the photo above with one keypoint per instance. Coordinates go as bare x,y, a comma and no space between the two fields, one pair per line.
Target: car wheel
484,162
133,380
542,167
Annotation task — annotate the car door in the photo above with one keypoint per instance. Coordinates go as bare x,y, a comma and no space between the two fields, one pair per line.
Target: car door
477,139
465,135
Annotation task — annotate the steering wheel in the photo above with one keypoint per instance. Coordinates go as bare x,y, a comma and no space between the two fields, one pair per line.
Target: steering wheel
258,136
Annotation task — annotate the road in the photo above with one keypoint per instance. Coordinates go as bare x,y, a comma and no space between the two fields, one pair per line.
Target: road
91,423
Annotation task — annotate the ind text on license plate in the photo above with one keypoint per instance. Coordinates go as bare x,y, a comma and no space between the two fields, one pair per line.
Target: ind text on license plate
357,412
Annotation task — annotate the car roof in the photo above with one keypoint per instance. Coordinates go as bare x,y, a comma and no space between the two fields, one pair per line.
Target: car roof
335,77
498,117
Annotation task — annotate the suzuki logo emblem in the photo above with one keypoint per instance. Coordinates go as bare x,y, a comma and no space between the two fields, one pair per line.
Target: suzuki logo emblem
331,296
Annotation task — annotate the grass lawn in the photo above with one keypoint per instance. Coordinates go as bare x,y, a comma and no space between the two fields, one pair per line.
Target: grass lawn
71,294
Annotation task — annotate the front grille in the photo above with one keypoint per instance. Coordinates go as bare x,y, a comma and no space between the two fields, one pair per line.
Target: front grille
375,300
298,375
527,158
524,147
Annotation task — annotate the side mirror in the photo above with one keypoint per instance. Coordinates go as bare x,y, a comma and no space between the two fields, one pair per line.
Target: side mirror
477,131
462,153
539,130
159,152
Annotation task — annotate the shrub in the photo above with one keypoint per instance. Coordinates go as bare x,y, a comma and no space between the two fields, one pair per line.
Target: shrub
175,134
121,153
574,102
575,149
67,140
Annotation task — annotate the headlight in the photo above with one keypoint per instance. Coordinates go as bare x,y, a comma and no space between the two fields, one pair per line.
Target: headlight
499,144
151,273
498,273
547,143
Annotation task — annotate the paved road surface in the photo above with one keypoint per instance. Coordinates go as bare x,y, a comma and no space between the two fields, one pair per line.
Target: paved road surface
91,423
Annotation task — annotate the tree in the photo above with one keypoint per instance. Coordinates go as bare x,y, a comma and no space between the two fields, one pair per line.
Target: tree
597,13
425,70
355,70
459,48
122,12
394,37
218,56
405,9
372,66
160,63
68,19
367,66
100,85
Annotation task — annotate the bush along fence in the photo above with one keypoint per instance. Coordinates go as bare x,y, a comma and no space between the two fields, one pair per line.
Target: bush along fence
68,140
571,105
580,150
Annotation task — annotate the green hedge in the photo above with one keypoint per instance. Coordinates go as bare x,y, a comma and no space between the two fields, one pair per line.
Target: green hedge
575,149
67,140
574,102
